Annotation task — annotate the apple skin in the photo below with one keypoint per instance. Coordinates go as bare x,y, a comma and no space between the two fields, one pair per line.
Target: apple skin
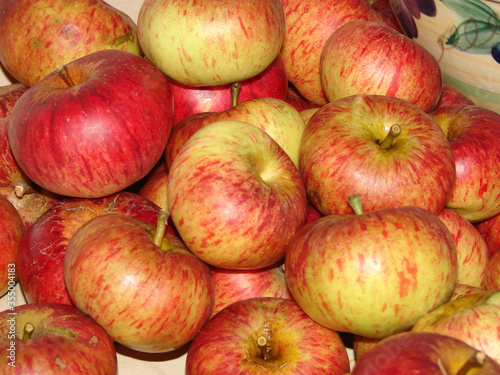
364,57
64,341
225,44
228,342
235,196
384,9
154,186
401,262
417,170
148,298
490,231
47,33
362,344
308,26
474,136
421,353
42,249
492,273
462,290
474,319
236,285
295,98
472,251
276,117
98,137
271,83
12,231
452,96
8,97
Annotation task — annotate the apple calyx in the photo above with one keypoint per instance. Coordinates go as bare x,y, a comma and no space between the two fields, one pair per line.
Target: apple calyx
161,226
355,203
394,132
27,332
235,92
63,73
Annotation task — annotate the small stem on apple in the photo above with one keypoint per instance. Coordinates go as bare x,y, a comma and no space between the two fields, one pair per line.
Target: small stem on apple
21,189
27,332
235,92
355,203
394,131
264,346
161,226
63,73
475,361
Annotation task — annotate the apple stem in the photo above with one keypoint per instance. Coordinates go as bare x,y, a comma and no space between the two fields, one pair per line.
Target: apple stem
475,361
161,226
235,91
21,189
28,331
394,131
265,347
63,73
355,203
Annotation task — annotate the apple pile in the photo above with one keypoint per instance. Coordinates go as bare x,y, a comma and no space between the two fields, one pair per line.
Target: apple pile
259,180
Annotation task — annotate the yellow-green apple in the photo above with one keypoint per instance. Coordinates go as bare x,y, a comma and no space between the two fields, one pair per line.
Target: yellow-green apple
492,273
266,335
272,83
490,231
472,251
308,26
41,35
94,127
235,285
42,248
474,319
235,196
8,97
276,117
452,96
371,274
141,284
52,338
211,43
364,57
10,236
349,147
154,186
424,353
474,136
307,114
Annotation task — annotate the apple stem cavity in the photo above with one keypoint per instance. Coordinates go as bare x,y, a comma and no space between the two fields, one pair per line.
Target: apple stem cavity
355,203
27,332
63,73
161,226
473,363
235,92
394,132
21,189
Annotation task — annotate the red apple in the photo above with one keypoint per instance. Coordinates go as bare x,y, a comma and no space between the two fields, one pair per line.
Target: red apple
424,353
8,97
146,290
363,57
154,187
295,98
384,9
490,231
265,335
98,133
474,137
42,248
272,82
51,338
348,148
235,197
452,96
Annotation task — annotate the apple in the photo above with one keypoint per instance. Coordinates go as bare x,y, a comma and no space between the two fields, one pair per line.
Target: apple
362,344
424,353
272,83
401,262
452,96
472,251
308,113
492,273
276,117
8,97
210,44
308,26
348,148
235,197
474,319
51,338
42,248
266,335
45,34
364,57
154,186
462,290
295,98
10,236
95,126
235,285
384,9
312,213
474,136
142,286
490,231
